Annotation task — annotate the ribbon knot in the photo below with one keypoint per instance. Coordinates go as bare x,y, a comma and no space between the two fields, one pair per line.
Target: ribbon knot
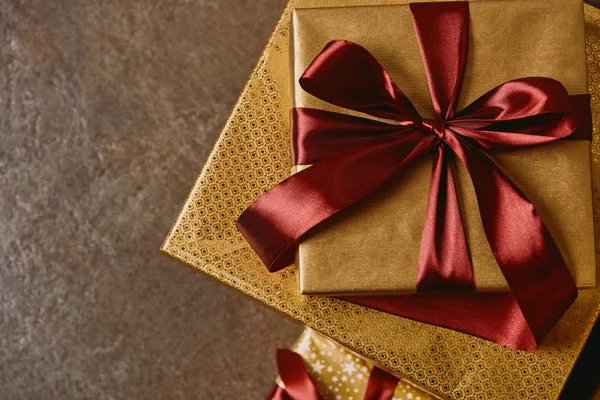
436,127
352,156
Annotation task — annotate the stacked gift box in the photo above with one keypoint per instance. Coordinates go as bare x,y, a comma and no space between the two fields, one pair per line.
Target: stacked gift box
410,248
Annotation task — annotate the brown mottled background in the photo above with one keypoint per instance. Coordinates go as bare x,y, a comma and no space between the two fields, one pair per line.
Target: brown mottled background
108,110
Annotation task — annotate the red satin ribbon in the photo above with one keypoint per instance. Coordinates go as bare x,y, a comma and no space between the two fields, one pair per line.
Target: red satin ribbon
353,156
298,385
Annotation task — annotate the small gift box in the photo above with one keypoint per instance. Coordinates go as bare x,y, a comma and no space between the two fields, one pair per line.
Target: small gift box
317,368
375,245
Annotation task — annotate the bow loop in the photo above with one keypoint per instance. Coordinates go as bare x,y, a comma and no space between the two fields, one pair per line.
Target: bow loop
517,99
517,113
319,134
332,77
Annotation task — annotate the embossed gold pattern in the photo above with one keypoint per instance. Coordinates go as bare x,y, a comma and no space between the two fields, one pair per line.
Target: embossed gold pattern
253,153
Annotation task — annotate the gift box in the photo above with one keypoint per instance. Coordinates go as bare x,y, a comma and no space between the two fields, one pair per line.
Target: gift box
253,154
336,372
373,246
353,157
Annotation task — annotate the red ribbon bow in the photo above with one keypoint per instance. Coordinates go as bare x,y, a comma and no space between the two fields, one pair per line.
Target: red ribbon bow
353,156
298,385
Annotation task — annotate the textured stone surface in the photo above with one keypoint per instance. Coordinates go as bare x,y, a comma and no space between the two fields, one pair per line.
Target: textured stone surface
104,106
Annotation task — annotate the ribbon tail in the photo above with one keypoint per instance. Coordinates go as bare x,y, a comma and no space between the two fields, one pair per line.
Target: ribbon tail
530,260
542,288
495,317
444,262
275,223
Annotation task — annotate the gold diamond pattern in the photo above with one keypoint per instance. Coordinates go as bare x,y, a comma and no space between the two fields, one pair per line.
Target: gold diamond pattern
252,154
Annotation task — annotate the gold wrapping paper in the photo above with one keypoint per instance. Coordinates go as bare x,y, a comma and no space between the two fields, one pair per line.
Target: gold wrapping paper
341,374
252,154
373,246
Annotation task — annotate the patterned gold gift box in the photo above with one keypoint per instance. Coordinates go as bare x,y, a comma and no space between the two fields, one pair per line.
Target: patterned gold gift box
339,373
252,154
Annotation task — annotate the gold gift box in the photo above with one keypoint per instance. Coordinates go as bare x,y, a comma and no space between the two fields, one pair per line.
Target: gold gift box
339,372
372,247
252,154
